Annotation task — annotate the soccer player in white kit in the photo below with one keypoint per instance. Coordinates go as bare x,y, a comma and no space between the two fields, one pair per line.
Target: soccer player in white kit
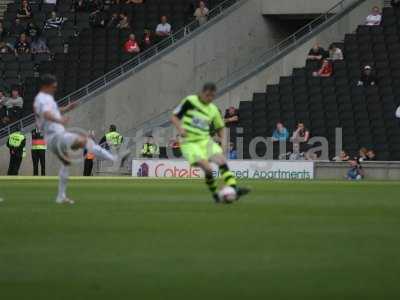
51,122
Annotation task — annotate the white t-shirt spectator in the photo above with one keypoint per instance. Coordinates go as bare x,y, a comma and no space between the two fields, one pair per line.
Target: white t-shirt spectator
50,2
373,20
164,28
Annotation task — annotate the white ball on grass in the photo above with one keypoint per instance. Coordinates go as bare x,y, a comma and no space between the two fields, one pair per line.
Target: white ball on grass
227,194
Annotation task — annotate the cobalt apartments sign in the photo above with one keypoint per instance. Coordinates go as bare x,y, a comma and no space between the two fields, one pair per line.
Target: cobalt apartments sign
245,169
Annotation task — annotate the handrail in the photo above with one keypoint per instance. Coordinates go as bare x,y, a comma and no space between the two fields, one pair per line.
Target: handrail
266,58
127,67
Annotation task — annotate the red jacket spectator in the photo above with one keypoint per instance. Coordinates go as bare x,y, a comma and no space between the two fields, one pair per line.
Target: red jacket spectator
131,45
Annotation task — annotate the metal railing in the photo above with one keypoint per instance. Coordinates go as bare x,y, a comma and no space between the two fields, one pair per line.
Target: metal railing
266,57
128,67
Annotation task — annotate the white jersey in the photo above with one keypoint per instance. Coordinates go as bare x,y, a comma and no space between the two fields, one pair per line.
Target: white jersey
44,103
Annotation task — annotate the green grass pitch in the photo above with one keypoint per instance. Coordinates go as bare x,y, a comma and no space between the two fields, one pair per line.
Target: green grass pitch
146,239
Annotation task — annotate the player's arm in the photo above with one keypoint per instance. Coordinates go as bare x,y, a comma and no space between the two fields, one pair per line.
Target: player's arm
219,126
49,116
178,114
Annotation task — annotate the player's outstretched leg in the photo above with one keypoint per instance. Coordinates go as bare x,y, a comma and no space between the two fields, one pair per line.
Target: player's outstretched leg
228,176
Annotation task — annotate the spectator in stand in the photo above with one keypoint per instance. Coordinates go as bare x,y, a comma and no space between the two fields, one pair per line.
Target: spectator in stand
3,31
3,108
362,154
301,134
131,46
395,3
98,18
39,46
356,171
123,21
32,29
335,53
54,2
79,6
5,48
54,22
201,13
371,155
14,105
232,152
375,18
134,2
231,117
342,156
316,53
164,28
113,21
326,69
280,134
147,41
25,11
22,45
367,77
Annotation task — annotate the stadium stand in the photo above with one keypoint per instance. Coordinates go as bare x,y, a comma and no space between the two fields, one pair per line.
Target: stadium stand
366,113
84,43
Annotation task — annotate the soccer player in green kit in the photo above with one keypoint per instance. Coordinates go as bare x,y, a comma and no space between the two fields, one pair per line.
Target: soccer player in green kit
193,119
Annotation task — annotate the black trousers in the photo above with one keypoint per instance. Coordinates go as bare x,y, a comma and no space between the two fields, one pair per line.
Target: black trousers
88,167
15,164
39,156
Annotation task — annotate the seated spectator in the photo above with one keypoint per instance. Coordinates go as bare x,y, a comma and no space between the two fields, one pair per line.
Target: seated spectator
150,149
25,11
232,152
14,105
356,171
301,134
371,155
94,5
395,3
175,145
280,134
97,18
164,28
316,53
342,156
39,46
5,48
134,2
367,77
147,41
32,29
375,18
3,107
3,31
113,21
335,53
22,45
325,70
201,13
231,117
79,6
362,154
50,2
54,22
131,46
123,21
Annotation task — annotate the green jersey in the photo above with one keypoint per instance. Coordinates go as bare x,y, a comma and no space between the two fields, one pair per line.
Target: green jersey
198,118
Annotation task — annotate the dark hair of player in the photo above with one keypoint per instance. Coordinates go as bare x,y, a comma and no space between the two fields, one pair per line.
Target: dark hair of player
47,80
209,87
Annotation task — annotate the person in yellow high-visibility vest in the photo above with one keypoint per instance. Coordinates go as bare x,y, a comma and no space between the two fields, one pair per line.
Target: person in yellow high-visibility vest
112,139
38,152
16,143
150,149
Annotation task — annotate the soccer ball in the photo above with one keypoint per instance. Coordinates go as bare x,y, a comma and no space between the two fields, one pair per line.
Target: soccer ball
227,194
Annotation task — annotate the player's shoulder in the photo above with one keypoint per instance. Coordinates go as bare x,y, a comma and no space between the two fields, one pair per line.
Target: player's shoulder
191,98
42,97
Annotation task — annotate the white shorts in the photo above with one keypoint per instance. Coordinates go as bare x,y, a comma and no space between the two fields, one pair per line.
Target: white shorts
60,144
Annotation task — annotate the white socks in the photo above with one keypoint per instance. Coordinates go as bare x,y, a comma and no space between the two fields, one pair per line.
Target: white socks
62,184
99,152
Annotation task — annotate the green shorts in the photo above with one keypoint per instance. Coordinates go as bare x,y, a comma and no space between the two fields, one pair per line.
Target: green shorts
194,152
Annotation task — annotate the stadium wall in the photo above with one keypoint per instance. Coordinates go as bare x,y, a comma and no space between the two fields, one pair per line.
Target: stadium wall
298,7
